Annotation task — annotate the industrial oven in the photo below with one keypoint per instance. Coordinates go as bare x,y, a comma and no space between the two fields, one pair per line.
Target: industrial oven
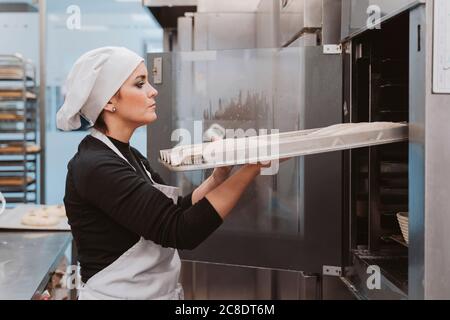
326,226
377,180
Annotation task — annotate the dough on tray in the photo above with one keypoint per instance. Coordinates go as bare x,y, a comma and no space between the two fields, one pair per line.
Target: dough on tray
57,210
39,218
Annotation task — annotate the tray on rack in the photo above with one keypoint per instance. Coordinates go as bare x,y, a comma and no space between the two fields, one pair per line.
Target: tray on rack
16,67
11,116
19,149
11,219
399,239
16,94
15,181
11,73
229,152
11,106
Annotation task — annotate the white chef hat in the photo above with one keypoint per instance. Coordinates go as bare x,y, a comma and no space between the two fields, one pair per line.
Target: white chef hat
94,79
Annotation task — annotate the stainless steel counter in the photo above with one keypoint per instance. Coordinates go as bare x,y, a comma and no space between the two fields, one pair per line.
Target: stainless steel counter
26,261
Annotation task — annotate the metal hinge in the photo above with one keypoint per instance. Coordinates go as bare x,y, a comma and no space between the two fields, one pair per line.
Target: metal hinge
332,49
157,70
332,271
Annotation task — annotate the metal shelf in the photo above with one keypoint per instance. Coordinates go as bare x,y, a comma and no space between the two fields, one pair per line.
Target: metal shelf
15,181
17,95
18,131
17,163
394,275
15,199
14,67
11,116
19,151
17,190
399,239
15,78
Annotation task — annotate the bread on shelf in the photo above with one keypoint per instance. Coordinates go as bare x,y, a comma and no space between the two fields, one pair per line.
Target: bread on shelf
11,117
19,149
16,94
15,181
11,73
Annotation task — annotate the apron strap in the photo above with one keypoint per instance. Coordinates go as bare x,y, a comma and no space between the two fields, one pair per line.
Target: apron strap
170,192
103,138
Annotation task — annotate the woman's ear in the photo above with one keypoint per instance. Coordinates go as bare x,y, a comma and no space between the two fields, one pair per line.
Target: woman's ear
110,107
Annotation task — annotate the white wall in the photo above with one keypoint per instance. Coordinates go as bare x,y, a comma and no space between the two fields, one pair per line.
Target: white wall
19,34
437,177
103,22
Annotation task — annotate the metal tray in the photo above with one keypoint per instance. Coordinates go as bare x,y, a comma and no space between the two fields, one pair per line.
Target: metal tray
11,219
19,149
289,144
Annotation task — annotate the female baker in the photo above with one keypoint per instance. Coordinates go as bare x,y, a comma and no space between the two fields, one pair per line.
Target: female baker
126,223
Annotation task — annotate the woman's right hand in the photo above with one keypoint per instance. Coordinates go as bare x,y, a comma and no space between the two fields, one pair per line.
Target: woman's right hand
221,174
225,196
262,165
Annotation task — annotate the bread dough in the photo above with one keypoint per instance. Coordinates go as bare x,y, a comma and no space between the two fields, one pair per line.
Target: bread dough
58,210
39,218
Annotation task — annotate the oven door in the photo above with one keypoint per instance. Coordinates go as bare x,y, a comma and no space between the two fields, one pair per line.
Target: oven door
289,221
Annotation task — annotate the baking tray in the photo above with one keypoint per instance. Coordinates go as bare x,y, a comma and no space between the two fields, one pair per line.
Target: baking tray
15,181
11,117
11,73
18,149
290,144
10,219
16,94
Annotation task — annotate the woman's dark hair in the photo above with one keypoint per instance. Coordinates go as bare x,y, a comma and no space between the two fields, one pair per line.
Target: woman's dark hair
100,124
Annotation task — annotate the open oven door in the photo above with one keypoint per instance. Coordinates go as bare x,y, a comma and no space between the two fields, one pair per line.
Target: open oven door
288,221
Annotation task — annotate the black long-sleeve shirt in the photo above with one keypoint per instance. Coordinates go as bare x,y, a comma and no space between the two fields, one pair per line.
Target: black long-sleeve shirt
110,206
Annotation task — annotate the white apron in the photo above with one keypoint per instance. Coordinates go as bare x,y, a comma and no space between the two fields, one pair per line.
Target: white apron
146,271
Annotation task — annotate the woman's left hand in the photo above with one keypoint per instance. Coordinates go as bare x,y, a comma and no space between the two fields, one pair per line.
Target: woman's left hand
221,174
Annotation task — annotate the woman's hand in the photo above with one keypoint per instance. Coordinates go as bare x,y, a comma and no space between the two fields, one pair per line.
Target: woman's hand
264,165
221,174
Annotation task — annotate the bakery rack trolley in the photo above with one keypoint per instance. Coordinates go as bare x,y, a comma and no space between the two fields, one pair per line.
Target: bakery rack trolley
19,148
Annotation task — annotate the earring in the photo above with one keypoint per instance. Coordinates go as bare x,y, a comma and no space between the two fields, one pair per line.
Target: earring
114,109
